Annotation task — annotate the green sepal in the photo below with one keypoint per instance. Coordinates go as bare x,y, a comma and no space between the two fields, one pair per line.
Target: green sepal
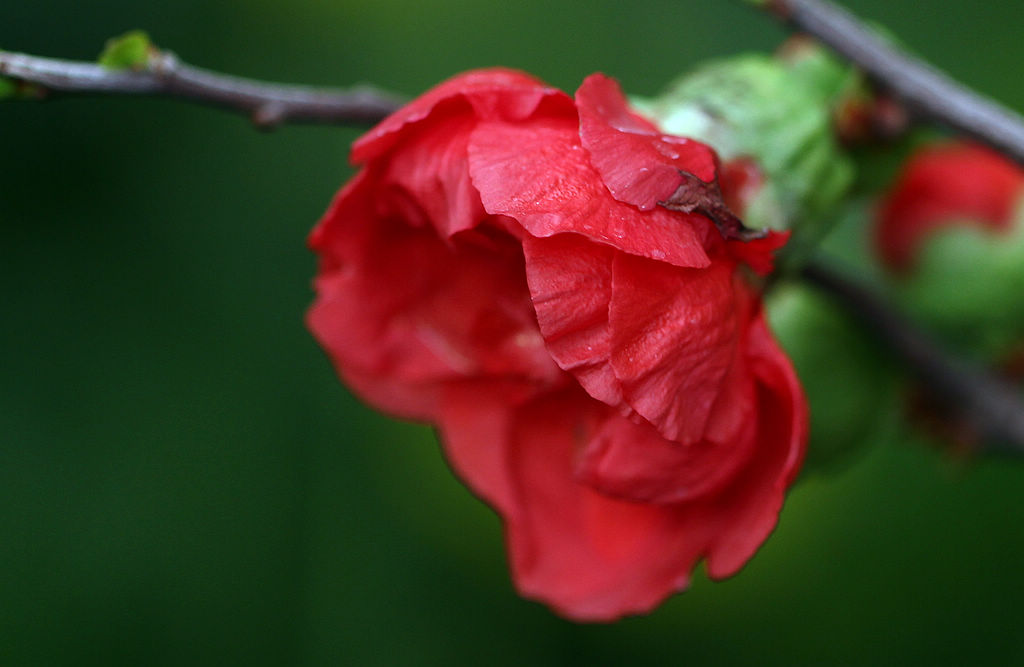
851,387
779,111
130,51
967,285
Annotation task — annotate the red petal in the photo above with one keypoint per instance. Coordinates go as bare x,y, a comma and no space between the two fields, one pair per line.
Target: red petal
741,179
674,334
589,556
593,557
750,506
432,169
398,307
475,424
639,165
631,460
540,175
758,254
734,414
570,280
488,94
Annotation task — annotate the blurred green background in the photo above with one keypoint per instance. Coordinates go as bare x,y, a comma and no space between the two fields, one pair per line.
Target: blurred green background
183,481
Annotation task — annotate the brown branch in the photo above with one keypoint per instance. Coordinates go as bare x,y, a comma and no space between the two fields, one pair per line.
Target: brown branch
922,88
267,104
991,408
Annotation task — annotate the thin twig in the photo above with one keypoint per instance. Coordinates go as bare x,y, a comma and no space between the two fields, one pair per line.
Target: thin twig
923,89
991,408
267,104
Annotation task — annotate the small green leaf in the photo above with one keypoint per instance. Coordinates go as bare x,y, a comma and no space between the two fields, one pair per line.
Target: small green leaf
131,50
16,89
8,88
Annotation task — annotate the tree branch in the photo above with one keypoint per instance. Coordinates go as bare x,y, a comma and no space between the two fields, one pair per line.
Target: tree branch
991,408
267,104
923,89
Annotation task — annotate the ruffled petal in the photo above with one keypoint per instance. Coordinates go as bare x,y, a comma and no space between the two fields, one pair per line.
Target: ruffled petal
486,94
673,338
540,175
449,310
628,459
749,508
637,163
570,280
475,424
733,416
590,557
433,171
593,557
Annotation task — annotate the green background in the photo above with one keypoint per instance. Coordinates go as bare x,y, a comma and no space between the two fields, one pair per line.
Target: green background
183,481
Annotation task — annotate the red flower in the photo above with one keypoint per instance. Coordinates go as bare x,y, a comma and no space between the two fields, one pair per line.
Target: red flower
599,370
955,183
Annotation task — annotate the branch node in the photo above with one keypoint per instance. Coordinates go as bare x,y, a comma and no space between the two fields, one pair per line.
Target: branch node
269,116
163,63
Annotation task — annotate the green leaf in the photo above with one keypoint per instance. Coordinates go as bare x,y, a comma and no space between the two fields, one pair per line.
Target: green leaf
130,51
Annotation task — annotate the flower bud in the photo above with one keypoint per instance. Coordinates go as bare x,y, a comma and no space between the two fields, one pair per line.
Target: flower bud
951,231
597,364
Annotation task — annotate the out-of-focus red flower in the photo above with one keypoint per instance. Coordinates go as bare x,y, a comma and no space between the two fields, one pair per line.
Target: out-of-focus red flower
953,183
598,366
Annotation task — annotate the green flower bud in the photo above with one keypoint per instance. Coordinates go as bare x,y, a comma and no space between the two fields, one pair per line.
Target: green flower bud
951,232
850,386
968,287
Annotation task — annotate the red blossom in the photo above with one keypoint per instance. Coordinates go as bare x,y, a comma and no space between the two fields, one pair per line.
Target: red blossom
598,368
954,183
